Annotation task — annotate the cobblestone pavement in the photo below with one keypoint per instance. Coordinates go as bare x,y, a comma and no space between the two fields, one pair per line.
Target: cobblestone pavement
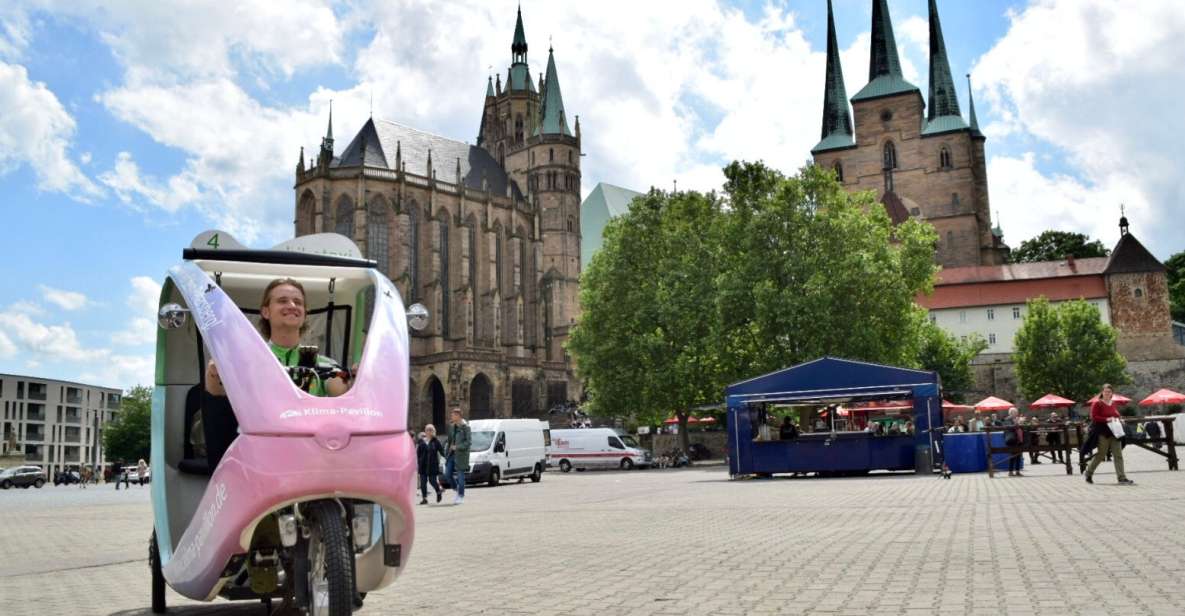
690,542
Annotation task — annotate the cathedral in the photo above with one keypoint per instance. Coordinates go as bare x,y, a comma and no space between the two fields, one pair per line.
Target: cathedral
486,236
925,161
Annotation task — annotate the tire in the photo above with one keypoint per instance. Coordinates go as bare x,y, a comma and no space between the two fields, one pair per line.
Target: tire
565,466
495,477
627,464
158,577
6,484
331,562
37,484
537,474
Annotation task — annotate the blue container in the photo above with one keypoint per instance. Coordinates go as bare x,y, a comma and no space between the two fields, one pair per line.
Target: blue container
965,452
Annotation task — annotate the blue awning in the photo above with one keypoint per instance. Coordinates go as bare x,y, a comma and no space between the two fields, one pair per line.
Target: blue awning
830,379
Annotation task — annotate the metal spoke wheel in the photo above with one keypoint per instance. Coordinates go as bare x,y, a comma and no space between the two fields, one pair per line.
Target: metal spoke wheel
331,561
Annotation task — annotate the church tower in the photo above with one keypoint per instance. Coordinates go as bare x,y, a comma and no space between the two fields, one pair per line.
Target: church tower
924,161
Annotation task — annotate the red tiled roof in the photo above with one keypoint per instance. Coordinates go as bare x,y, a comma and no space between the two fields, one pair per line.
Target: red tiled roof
1017,283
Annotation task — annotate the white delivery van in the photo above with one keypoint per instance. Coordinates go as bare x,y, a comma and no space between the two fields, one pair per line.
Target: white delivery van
582,448
506,449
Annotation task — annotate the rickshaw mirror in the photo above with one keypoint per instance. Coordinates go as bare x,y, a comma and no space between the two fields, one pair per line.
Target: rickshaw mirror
417,317
171,316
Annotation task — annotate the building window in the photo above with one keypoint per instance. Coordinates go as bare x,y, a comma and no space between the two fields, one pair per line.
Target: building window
344,218
992,339
1139,292
377,235
890,156
569,157
518,128
498,261
473,258
944,159
551,155
838,171
991,314
962,316
1016,312
571,226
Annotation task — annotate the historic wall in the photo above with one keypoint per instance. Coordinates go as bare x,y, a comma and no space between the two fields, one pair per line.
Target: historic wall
995,375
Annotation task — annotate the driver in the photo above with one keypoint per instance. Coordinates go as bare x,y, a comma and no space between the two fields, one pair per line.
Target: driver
282,321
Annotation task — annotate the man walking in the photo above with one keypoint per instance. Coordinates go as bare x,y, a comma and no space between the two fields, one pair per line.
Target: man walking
457,463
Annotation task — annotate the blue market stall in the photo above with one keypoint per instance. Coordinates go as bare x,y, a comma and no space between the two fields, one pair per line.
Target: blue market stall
755,449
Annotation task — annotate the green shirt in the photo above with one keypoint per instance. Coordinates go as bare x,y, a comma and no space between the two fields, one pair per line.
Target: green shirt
290,356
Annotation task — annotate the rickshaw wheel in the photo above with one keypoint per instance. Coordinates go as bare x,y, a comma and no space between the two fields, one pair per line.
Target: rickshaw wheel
331,579
158,577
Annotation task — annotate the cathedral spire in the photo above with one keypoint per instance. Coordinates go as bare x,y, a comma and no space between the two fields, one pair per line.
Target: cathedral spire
329,131
943,113
326,154
884,65
552,108
490,87
518,49
971,103
837,121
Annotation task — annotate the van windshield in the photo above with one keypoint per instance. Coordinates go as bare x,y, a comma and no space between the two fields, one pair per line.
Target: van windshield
629,441
481,441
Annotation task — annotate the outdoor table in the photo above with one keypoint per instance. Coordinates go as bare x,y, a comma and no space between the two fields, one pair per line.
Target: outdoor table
1166,438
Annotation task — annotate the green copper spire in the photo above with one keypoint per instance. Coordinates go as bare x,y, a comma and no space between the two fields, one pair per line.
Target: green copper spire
552,108
837,121
971,103
519,77
489,87
884,66
518,49
943,112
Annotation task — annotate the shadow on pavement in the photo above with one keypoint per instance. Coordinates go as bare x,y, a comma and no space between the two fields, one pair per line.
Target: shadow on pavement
217,608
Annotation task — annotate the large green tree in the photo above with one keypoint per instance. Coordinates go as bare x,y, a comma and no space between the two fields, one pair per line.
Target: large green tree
1056,245
1066,349
1176,275
129,436
690,292
951,358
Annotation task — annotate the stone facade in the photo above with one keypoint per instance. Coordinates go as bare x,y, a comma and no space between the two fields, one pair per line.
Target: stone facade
486,236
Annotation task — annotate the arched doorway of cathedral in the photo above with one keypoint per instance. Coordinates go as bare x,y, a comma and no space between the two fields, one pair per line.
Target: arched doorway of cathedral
480,391
435,397
522,398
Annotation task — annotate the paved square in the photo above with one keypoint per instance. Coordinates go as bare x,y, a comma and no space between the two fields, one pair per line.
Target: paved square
690,542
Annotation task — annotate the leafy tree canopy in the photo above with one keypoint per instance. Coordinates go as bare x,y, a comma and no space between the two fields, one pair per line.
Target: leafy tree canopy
129,436
951,358
1176,276
1066,349
1057,245
690,292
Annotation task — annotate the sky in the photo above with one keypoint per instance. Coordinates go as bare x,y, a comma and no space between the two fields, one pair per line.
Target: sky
128,128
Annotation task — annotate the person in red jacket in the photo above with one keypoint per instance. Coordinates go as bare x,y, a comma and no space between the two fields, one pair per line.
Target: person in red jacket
1102,411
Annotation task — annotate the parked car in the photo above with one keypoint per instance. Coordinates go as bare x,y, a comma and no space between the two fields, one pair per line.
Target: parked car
134,475
22,477
583,448
698,451
66,478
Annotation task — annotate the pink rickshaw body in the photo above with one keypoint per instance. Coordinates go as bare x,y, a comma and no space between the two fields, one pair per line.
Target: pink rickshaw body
293,447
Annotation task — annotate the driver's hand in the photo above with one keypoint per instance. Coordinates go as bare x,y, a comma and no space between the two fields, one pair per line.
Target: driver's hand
213,383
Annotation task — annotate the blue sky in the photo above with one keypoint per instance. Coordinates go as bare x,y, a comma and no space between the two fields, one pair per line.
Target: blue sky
125,131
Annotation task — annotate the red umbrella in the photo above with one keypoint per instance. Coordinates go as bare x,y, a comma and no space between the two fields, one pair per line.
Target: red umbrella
1164,396
690,420
992,404
882,406
1117,399
947,405
1052,401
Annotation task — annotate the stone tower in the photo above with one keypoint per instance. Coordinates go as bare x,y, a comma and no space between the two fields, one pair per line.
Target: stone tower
925,162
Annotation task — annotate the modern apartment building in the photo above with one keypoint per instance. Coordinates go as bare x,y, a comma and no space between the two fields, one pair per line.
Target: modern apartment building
55,424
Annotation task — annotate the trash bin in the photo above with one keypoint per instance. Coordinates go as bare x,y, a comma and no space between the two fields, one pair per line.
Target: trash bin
922,460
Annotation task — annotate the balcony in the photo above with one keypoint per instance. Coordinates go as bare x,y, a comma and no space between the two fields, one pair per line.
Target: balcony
113,403
73,418
34,436
35,416
33,457
36,393
72,437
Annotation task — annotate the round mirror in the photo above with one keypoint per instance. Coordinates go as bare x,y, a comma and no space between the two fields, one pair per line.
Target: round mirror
171,316
417,317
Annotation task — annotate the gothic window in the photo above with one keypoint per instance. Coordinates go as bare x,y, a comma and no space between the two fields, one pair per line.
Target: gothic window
518,128
344,217
498,261
377,244
413,252
569,157
571,225
502,155
551,155
890,155
838,171
944,159
444,281
1139,292
305,214
473,256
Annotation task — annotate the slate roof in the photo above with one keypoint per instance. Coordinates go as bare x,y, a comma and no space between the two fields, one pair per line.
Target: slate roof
944,101
895,208
884,66
837,120
377,141
1130,256
552,107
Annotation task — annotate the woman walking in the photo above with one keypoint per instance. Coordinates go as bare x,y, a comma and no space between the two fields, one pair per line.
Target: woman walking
1102,412
1014,438
428,453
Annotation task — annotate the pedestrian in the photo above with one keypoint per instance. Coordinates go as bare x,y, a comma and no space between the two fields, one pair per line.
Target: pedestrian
1152,429
1103,415
1033,439
142,471
1014,437
457,464
428,453
977,424
1054,438
959,425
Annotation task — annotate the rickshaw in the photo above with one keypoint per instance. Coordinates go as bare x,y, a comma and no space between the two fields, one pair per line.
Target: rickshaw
311,503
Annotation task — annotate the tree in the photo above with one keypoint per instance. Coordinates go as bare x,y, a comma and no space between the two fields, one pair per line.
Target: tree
951,358
1176,276
1057,245
129,435
691,292
1066,349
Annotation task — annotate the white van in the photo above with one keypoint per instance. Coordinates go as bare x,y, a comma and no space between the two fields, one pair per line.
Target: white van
506,449
583,448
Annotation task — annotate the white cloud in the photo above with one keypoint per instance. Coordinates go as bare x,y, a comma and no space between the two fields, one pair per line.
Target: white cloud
35,130
49,341
66,300
7,346
143,300
1096,81
15,31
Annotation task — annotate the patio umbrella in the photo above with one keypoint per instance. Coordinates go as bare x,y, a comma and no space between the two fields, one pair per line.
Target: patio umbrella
690,420
992,404
882,406
947,405
1164,396
1116,399
1052,401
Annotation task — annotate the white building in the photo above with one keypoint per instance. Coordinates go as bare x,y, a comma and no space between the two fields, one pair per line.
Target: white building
55,424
